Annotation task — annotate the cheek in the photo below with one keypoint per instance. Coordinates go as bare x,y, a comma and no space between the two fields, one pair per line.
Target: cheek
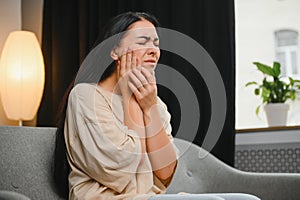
158,53
140,52
137,48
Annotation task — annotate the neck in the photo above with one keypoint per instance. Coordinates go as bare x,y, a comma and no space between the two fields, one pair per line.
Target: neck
110,83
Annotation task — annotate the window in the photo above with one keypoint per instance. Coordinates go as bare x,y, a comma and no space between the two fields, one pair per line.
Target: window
287,52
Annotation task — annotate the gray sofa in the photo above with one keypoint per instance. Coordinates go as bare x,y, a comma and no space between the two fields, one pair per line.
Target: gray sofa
26,158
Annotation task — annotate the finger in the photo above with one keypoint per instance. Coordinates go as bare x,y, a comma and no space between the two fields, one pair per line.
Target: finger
134,90
140,76
128,60
133,60
149,77
139,62
134,79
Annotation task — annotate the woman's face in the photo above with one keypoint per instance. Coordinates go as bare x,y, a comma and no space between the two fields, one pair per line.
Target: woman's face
141,38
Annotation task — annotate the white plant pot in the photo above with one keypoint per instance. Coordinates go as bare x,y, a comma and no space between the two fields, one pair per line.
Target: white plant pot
276,113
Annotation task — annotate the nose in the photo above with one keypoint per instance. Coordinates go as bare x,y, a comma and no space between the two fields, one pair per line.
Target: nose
152,50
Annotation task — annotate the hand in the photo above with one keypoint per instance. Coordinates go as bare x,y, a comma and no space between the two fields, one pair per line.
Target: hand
126,63
143,85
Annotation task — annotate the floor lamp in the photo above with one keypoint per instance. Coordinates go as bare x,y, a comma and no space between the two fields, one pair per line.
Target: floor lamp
22,76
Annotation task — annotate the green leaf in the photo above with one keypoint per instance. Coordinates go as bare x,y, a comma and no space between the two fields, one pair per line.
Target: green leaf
257,110
265,69
276,68
297,81
265,93
293,95
251,83
291,81
257,91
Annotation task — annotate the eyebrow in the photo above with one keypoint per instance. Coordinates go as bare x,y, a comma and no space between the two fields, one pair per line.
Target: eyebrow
148,38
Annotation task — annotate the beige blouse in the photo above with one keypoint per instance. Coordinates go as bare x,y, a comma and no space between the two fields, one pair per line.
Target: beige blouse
104,155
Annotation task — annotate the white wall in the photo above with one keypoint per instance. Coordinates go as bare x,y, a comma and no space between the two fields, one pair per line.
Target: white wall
256,22
19,15
10,20
32,17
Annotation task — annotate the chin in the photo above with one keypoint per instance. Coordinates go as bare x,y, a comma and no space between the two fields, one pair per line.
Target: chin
149,67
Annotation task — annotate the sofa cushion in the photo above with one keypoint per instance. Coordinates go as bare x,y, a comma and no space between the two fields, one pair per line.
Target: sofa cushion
10,195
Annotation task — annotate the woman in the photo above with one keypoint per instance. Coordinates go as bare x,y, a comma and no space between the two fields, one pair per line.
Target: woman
116,133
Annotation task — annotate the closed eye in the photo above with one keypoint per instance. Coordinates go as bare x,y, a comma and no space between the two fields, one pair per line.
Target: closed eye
141,43
147,39
144,43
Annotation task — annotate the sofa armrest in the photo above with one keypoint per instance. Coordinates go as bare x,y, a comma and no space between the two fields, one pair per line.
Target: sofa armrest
200,172
264,185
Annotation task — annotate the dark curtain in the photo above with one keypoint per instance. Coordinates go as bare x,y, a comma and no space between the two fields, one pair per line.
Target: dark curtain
70,28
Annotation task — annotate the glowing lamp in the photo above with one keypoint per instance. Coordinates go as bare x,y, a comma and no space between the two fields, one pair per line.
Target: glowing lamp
22,76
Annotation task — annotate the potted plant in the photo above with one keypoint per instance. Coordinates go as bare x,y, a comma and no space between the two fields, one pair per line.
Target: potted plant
274,93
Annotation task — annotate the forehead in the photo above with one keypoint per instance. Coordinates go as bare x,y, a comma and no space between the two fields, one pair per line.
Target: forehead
141,28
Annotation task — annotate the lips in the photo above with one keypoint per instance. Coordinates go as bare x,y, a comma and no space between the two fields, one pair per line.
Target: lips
150,61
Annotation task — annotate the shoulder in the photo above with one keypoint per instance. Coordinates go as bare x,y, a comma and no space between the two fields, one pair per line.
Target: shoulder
84,92
86,101
86,95
83,89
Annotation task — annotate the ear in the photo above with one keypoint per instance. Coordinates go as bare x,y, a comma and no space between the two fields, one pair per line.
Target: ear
114,55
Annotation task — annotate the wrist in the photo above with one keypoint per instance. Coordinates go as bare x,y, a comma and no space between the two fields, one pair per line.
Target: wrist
152,116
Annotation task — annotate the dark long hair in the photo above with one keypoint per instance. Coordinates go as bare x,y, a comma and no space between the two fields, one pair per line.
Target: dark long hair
61,167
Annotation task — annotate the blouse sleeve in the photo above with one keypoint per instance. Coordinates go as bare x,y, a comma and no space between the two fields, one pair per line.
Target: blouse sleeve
166,119
98,144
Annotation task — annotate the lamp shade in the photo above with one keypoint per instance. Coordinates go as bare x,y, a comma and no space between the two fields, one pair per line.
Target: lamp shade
22,76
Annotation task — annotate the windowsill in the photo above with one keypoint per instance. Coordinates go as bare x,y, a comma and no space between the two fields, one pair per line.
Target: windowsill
270,135
275,128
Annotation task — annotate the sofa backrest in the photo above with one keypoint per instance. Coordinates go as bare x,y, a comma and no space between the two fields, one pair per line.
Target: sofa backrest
26,160
198,171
